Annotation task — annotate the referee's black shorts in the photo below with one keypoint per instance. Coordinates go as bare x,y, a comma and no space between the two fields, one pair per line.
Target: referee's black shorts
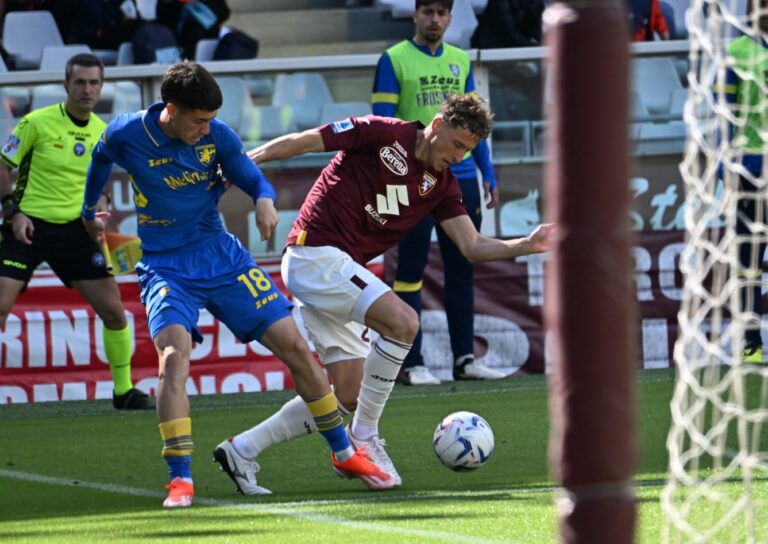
67,247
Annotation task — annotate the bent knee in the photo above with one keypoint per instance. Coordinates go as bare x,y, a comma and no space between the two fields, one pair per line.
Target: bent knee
404,324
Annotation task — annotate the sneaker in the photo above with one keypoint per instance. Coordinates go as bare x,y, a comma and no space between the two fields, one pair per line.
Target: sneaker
472,369
180,494
374,446
362,466
419,375
752,355
133,399
242,471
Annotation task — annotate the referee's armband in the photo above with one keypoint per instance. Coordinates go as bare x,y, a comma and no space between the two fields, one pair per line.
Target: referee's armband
10,206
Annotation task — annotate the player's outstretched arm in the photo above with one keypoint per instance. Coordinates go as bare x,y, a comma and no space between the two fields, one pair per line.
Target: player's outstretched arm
477,248
288,146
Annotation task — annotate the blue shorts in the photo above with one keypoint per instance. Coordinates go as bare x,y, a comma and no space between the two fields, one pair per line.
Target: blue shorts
217,274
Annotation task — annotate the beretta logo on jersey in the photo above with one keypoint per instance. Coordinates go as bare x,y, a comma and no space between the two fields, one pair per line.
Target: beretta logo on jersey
205,153
428,183
393,160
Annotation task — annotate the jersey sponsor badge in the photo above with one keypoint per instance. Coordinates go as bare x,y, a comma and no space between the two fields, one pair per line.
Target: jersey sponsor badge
428,183
455,69
79,149
342,126
11,146
393,160
205,153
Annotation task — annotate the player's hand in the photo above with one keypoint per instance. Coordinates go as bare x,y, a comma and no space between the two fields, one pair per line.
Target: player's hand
266,217
490,195
543,238
102,206
23,228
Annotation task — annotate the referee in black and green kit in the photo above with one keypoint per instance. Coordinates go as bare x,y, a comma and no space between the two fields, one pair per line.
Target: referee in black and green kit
51,147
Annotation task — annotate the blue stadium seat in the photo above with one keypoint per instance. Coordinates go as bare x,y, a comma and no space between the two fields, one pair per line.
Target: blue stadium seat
204,50
306,93
55,57
341,110
655,79
26,33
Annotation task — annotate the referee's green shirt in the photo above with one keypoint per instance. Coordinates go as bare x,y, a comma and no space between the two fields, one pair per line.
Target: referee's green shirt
52,154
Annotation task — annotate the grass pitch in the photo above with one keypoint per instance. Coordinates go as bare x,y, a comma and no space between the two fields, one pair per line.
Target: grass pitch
82,472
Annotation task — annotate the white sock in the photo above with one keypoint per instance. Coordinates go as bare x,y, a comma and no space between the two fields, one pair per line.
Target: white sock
292,421
381,368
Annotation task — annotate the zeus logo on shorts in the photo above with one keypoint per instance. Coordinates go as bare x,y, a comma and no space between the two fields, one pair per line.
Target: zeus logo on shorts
98,259
342,126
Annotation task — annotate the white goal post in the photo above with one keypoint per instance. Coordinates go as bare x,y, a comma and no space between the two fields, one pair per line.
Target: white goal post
718,448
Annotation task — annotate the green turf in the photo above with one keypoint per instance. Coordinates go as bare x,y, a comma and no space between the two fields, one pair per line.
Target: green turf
106,474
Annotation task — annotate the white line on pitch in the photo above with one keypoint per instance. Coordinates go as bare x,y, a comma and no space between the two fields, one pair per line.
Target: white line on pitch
276,509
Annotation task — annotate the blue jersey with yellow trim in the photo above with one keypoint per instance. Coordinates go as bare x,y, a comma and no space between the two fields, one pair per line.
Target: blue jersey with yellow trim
176,186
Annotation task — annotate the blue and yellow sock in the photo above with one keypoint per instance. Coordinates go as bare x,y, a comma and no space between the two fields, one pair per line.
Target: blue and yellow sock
177,447
117,345
325,412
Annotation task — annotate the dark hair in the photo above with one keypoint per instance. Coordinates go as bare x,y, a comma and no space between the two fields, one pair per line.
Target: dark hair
467,111
190,86
86,60
447,4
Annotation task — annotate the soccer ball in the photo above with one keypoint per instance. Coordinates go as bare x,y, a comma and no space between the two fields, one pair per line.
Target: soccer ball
463,441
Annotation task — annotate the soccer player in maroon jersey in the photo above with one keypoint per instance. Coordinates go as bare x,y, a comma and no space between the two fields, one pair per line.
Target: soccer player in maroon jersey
387,175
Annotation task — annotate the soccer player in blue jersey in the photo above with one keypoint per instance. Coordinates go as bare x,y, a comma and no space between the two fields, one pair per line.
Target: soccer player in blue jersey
413,78
173,151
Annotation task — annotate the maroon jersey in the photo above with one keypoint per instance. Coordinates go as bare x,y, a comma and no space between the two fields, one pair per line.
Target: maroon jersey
374,190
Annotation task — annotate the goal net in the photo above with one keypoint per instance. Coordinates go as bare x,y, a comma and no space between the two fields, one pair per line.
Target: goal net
718,448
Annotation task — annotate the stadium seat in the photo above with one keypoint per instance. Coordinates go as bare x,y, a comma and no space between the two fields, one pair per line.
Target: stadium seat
262,123
341,110
47,95
400,9
306,93
463,24
127,97
55,57
236,101
655,79
204,50
403,9
677,105
660,138
25,34
125,54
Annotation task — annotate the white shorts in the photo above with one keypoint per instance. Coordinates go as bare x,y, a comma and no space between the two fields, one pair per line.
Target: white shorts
333,293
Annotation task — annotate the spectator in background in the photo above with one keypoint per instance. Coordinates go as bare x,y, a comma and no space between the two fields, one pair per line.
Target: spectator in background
412,79
193,21
645,19
105,24
744,91
509,23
